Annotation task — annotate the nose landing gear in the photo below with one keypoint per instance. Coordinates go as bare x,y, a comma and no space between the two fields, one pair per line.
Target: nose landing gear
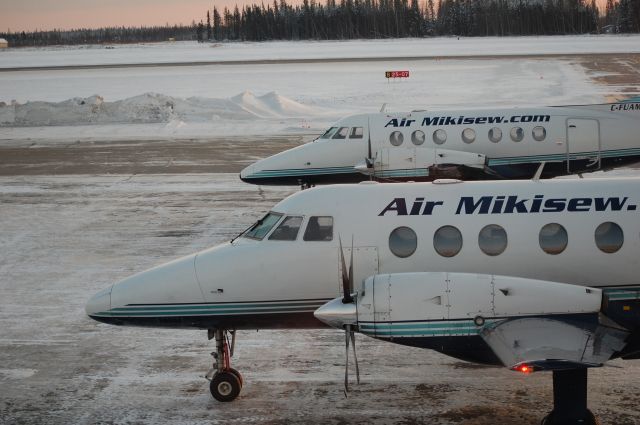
226,382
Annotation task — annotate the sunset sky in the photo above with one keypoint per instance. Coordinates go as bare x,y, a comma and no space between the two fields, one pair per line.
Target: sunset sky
27,15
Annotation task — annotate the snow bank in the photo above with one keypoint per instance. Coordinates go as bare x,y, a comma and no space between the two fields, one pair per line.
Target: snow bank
152,108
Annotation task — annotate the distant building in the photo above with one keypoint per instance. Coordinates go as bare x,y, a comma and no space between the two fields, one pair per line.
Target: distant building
3,43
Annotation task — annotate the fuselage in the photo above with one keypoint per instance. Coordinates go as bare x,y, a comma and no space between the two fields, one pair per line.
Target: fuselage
580,232
468,144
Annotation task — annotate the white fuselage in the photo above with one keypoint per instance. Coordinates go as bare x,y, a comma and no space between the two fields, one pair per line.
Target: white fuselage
499,143
252,283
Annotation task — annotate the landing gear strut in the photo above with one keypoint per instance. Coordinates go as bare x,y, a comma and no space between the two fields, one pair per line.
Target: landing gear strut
226,382
570,399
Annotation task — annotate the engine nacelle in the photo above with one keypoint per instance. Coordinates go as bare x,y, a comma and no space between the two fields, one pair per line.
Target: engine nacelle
521,323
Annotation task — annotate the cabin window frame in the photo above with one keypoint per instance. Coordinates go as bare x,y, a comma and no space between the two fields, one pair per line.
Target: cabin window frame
354,135
608,248
554,248
516,134
495,138
436,139
338,136
308,224
470,135
260,222
282,223
416,140
447,252
483,241
398,140
400,245
539,138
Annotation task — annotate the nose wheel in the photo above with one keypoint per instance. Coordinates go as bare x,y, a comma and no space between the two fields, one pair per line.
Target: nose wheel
226,382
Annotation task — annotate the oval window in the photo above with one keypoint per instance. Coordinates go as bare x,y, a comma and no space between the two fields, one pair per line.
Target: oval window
553,238
403,242
492,239
439,136
447,241
417,137
396,138
609,237
517,134
495,134
468,135
539,133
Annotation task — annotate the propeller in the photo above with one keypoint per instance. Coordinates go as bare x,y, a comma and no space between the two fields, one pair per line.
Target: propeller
349,333
369,158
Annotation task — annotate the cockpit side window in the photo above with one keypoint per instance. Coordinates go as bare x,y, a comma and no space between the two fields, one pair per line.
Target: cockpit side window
327,134
356,133
262,226
342,133
287,230
319,229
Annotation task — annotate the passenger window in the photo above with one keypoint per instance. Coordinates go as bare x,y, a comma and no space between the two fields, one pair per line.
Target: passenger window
319,229
403,242
553,238
517,134
609,237
342,133
495,134
287,230
396,138
418,137
262,226
356,133
539,133
327,134
447,241
468,135
439,136
492,239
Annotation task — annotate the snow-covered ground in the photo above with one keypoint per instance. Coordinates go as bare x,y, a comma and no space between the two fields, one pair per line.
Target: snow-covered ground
64,237
201,101
182,52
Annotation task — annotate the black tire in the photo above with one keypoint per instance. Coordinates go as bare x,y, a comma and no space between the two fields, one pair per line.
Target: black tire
238,375
591,419
225,386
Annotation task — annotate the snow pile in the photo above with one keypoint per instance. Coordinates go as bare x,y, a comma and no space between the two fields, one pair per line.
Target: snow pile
152,108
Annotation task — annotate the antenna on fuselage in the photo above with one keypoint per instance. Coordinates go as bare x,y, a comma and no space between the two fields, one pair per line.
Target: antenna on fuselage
383,108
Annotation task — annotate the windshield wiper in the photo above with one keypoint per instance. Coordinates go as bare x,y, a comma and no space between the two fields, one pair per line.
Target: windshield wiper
257,223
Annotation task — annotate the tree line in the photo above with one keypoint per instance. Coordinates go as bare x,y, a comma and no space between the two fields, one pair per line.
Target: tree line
108,35
353,19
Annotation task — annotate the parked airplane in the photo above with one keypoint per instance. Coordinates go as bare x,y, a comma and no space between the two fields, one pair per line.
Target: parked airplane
532,275
465,144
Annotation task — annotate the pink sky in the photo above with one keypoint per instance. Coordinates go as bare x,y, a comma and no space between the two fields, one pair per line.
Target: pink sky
28,15
19,15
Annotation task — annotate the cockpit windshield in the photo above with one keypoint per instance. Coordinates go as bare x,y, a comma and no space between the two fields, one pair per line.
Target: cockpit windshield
327,134
262,226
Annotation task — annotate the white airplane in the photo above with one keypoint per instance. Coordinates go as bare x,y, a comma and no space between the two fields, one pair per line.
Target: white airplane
465,144
531,275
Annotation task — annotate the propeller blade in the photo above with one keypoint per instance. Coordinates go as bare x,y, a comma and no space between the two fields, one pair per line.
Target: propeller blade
346,365
346,278
352,335
351,272
369,153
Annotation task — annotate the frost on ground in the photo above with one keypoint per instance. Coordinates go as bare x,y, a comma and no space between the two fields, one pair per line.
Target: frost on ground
66,237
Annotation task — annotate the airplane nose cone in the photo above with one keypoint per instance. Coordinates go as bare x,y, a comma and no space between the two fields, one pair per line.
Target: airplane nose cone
336,314
246,172
99,303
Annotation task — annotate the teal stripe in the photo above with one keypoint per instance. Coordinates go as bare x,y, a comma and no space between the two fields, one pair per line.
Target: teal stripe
426,325
418,172
437,332
216,306
202,312
562,156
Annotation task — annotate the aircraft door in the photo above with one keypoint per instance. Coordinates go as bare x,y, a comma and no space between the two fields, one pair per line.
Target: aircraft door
395,162
583,144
